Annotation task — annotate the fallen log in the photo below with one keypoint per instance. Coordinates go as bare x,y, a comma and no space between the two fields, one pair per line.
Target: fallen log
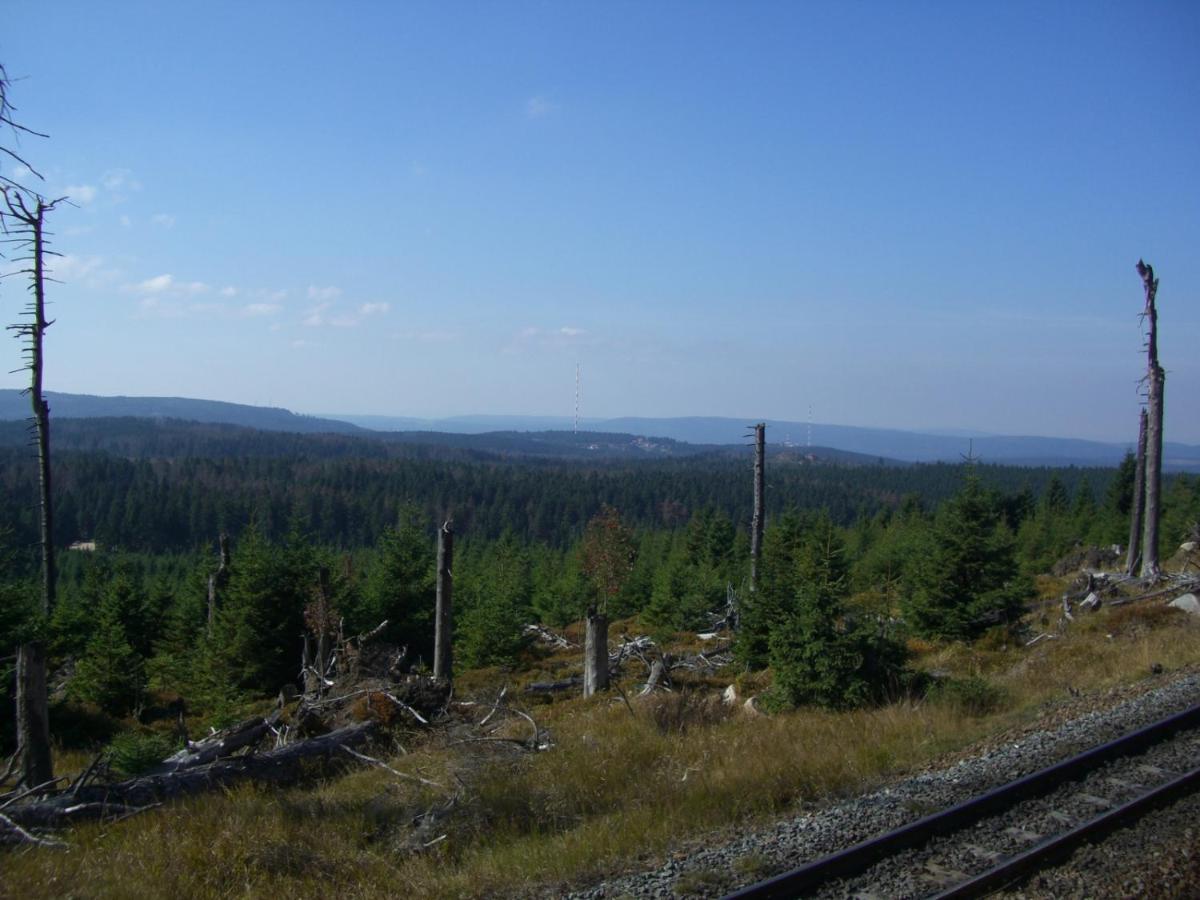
279,766
552,687
224,743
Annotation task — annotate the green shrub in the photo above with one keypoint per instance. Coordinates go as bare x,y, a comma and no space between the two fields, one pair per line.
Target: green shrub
133,752
971,696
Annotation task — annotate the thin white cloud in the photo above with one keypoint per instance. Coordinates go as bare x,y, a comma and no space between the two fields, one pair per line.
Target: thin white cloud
163,220
260,309
538,107
155,307
115,180
343,321
300,344
167,283
228,291
126,222
426,337
83,194
323,294
70,267
532,335
372,309
315,317
157,284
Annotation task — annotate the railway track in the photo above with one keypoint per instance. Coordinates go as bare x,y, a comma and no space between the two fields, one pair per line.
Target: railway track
1002,836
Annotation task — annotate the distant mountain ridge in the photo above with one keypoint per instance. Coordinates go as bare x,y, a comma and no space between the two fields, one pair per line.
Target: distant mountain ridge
15,405
888,444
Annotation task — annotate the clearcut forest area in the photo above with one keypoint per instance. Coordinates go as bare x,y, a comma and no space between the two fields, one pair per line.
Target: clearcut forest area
891,625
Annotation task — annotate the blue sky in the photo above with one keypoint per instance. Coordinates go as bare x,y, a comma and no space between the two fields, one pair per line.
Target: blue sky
917,215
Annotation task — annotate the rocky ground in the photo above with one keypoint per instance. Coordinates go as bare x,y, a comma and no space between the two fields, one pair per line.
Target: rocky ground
1158,857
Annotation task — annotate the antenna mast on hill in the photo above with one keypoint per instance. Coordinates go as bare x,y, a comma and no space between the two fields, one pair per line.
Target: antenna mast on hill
577,398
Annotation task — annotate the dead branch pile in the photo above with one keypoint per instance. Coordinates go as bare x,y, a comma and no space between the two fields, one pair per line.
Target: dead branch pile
355,695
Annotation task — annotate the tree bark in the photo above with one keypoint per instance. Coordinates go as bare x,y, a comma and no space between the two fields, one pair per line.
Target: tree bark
1138,505
33,722
444,617
1156,379
756,530
595,653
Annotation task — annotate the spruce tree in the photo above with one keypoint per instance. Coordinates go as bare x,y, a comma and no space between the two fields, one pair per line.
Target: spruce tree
969,580
820,655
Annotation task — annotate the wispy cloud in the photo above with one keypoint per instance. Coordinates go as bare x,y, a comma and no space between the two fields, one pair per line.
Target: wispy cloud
163,220
373,309
323,294
315,317
69,267
120,180
155,285
538,107
158,307
260,309
532,335
228,291
83,194
426,337
168,284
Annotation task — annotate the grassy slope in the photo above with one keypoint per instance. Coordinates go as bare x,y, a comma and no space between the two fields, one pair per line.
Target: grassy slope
622,783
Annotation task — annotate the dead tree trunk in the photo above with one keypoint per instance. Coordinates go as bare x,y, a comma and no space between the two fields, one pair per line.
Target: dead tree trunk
595,653
33,717
218,579
444,616
1138,505
1156,379
33,734
325,597
756,530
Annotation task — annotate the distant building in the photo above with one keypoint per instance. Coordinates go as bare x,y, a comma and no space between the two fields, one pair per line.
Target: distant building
87,546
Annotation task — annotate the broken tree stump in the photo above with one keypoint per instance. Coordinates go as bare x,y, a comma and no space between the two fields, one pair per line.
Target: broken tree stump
595,653
444,617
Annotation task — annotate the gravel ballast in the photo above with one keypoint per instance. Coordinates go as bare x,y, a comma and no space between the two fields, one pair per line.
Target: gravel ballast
716,869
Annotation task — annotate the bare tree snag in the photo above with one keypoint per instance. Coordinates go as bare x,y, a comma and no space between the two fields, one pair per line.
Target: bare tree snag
1137,507
325,600
1156,379
32,704
218,579
33,715
756,530
595,653
323,620
444,616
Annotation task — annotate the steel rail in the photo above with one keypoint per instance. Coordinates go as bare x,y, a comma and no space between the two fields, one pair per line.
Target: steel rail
860,857
1058,847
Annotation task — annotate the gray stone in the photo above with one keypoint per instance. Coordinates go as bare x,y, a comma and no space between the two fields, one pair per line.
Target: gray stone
1188,603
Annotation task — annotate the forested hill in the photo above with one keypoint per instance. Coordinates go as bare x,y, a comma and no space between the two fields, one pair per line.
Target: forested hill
172,486
15,405
547,436
140,438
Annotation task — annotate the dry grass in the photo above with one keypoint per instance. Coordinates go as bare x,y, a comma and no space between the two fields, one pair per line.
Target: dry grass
619,784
